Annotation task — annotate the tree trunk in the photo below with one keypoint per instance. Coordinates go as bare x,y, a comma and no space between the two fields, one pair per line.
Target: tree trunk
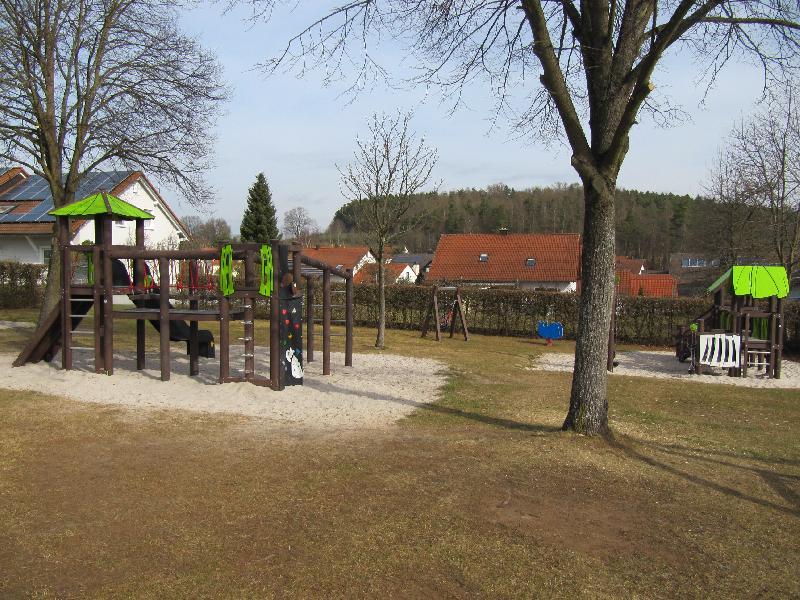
380,340
588,408
52,290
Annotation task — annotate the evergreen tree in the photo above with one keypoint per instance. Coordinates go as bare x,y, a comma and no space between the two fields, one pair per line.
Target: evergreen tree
259,223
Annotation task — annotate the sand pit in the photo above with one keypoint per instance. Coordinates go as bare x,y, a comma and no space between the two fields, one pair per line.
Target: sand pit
377,391
664,365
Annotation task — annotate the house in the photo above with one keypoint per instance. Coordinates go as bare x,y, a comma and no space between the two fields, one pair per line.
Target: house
523,260
342,257
651,285
393,273
420,263
26,228
637,266
693,271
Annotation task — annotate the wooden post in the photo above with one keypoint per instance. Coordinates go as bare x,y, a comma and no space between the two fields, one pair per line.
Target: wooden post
743,344
612,337
274,322
138,284
779,340
66,284
349,317
297,269
163,314
194,349
309,319
326,322
249,314
224,339
436,313
97,296
108,299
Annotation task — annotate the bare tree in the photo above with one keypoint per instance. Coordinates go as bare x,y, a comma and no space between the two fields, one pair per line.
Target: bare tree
387,169
584,72
731,229
298,225
206,232
85,84
765,152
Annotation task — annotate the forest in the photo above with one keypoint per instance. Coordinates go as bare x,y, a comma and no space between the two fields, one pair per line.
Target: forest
650,225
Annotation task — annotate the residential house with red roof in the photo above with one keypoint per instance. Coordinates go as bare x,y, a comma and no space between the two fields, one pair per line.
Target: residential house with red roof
522,260
652,285
26,228
342,257
393,273
633,280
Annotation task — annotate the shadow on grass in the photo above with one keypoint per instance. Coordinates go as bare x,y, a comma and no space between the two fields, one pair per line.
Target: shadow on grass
776,481
438,409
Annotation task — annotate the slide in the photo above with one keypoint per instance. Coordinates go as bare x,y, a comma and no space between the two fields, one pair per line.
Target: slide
178,330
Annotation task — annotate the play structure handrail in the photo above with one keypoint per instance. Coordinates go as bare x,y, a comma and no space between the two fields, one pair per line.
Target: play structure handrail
131,252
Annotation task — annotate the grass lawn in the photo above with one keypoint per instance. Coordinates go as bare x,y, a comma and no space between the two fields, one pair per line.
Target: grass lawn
480,494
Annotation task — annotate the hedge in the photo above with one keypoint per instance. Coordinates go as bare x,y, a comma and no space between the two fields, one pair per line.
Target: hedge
21,284
511,312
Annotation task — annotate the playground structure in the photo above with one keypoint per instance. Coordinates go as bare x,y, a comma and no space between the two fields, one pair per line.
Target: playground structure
456,310
743,328
207,296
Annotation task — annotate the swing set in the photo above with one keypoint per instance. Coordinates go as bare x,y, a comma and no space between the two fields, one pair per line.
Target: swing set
454,311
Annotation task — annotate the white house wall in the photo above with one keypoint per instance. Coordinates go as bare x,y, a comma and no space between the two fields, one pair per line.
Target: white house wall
24,248
161,232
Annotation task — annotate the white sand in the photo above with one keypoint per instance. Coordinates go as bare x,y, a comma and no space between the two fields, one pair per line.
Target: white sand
664,365
377,391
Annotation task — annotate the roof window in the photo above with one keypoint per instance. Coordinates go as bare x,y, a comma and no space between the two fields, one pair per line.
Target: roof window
7,208
530,262
484,257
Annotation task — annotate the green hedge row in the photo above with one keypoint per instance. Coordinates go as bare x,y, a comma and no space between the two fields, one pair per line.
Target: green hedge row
21,284
640,320
647,321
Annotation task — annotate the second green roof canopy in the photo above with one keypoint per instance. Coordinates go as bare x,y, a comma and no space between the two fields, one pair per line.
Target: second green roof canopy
755,281
101,204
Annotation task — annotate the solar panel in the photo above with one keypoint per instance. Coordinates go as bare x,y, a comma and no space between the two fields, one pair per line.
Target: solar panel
37,188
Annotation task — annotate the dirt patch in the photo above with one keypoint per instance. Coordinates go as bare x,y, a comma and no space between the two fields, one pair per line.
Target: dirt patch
604,525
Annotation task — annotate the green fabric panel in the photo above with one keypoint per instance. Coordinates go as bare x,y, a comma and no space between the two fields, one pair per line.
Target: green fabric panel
226,271
760,327
760,282
96,205
265,289
90,269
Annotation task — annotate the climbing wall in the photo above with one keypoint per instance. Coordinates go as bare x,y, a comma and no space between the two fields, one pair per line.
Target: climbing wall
291,340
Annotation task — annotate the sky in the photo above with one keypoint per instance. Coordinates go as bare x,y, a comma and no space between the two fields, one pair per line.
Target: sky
295,130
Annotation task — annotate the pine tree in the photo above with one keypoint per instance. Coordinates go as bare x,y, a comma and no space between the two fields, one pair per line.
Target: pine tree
259,223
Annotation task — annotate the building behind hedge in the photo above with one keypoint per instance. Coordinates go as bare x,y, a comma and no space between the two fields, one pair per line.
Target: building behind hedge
26,228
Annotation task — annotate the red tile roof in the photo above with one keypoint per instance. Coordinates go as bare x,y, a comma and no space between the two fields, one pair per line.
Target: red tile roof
557,257
347,256
634,265
369,273
652,285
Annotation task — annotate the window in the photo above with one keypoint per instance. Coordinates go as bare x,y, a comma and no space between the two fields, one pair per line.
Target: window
694,262
530,262
7,208
484,257
46,250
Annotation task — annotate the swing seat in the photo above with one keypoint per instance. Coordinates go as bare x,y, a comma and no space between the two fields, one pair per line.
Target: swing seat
550,331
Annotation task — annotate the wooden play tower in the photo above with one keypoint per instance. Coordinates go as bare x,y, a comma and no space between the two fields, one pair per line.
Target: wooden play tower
234,284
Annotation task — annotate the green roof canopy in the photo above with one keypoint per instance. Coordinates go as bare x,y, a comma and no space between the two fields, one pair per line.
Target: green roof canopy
756,281
101,204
